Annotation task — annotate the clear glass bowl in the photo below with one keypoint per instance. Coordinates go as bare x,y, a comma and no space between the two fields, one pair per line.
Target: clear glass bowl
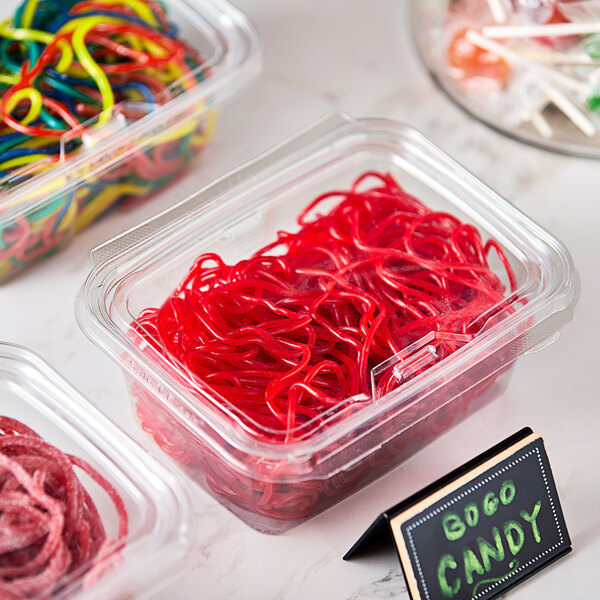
506,93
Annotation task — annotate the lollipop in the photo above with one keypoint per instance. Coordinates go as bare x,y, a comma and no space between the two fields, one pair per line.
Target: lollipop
534,11
480,69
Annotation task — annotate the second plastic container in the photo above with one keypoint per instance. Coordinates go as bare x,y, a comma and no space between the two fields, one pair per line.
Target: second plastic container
156,547
130,150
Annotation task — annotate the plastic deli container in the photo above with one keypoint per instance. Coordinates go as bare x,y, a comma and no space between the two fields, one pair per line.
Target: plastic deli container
157,507
274,483
136,147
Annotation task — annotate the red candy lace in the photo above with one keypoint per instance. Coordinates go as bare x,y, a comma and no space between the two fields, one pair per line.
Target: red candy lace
49,525
292,333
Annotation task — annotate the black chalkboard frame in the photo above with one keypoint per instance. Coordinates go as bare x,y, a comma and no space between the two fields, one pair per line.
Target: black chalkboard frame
388,524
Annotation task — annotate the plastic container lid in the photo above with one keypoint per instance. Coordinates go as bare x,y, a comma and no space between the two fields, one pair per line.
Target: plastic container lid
243,212
134,148
157,505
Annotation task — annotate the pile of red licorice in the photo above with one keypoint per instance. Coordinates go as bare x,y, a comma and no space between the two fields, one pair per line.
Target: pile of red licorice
49,525
293,332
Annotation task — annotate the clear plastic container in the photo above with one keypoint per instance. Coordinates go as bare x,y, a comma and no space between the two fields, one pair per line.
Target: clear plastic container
135,148
273,484
158,542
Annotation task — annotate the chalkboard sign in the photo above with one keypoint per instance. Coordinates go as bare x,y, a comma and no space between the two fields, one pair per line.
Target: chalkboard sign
481,529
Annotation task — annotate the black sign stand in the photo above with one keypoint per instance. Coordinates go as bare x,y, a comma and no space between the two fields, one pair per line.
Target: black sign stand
479,530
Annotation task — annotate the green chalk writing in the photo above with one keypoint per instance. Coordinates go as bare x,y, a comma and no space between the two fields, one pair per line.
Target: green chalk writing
453,526
472,565
447,562
496,544
490,504
512,566
510,529
532,520
489,551
508,491
471,514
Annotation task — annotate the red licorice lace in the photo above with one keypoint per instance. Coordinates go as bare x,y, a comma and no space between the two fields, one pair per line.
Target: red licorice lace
49,525
293,332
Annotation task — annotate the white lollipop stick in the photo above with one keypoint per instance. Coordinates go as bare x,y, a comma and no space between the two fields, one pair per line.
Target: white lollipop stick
515,58
568,108
539,121
534,115
498,11
500,32
559,58
541,124
594,78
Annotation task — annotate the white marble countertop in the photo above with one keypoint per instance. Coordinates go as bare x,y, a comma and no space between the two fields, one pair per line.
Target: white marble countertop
358,57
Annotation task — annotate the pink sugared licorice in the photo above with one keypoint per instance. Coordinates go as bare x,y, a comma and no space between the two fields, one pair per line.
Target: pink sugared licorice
49,525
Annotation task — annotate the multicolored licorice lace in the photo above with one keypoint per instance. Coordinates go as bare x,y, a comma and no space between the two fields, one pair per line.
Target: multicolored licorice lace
69,69
50,527
291,335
